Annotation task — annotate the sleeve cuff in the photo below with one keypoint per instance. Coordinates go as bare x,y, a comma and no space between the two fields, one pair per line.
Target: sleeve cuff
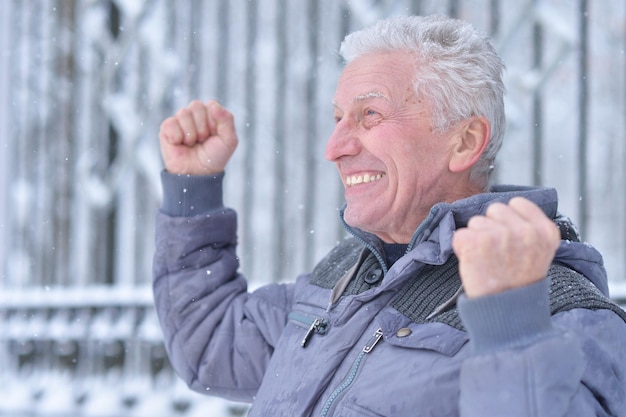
509,320
191,195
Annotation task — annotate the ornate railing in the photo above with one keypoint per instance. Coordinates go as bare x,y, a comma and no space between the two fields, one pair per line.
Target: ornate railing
84,85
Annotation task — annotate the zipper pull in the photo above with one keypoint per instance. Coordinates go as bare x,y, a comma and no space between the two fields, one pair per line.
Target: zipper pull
318,326
373,341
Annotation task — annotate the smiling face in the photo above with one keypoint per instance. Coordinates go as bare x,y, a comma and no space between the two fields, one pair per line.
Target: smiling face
393,166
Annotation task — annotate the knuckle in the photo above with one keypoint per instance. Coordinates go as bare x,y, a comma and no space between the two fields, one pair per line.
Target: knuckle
494,209
203,129
166,124
475,221
517,201
183,113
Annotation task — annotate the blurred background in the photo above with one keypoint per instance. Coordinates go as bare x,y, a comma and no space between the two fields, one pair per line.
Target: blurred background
84,85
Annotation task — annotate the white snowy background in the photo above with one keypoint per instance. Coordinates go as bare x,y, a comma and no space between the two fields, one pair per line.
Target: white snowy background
84,85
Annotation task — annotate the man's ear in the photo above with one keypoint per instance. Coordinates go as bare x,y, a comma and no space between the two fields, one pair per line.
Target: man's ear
470,142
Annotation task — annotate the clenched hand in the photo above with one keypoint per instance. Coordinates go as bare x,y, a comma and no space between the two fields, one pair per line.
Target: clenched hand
511,246
198,140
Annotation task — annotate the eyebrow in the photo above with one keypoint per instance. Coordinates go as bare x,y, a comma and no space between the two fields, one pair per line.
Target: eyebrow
366,96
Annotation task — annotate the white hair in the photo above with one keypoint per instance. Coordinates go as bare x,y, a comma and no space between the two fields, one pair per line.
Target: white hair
459,72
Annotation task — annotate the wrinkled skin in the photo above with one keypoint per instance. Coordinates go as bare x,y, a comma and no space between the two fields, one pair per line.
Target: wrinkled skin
511,246
383,134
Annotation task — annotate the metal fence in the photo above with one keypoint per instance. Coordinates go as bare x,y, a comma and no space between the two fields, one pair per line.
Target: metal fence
84,85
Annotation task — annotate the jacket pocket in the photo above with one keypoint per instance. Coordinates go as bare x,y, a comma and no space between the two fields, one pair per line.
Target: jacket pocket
438,337
313,325
354,410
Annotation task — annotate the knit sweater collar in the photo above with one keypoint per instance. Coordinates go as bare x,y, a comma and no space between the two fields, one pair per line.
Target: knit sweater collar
432,240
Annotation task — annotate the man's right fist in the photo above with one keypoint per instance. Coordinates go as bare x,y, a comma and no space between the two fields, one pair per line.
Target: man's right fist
199,139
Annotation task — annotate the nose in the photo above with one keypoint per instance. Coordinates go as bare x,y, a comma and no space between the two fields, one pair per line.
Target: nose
341,142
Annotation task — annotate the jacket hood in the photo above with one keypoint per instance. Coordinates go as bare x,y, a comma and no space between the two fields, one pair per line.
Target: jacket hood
432,240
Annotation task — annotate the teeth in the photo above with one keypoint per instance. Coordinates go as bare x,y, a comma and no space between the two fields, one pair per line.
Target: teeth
360,179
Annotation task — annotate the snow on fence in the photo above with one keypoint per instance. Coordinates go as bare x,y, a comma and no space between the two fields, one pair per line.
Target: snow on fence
84,85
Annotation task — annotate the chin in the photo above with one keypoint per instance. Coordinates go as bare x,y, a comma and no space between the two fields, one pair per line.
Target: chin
357,218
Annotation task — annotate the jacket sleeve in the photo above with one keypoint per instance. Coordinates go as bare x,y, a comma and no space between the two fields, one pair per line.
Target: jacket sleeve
219,337
526,363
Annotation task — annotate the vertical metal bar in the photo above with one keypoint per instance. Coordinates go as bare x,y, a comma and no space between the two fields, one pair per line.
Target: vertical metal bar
82,266
537,105
41,181
6,13
110,221
250,133
195,18
346,22
583,108
49,72
223,47
494,31
416,7
311,134
65,70
21,192
494,17
280,168
453,8
623,211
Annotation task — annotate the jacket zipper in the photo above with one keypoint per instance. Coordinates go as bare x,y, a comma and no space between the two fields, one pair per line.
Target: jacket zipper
372,249
369,346
315,325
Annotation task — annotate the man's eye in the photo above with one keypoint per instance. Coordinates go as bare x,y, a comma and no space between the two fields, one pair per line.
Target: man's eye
337,119
371,118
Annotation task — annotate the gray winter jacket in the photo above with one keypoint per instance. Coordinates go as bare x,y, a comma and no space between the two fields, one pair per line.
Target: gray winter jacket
358,338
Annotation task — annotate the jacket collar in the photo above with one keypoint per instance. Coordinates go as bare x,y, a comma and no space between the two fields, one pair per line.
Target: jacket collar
432,240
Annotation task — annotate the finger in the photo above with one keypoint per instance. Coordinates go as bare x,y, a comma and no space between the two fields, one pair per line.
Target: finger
462,241
171,132
482,235
527,209
518,208
527,224
532,213
502,213
513,226
187,124
479,222
200,119
224,123
508,217
523,211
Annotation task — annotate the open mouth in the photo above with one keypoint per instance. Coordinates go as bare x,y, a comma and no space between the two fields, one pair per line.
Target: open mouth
352,180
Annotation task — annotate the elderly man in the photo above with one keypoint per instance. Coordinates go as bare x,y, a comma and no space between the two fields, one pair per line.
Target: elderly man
451,297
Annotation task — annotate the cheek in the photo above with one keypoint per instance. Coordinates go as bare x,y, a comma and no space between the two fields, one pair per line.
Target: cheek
419,167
